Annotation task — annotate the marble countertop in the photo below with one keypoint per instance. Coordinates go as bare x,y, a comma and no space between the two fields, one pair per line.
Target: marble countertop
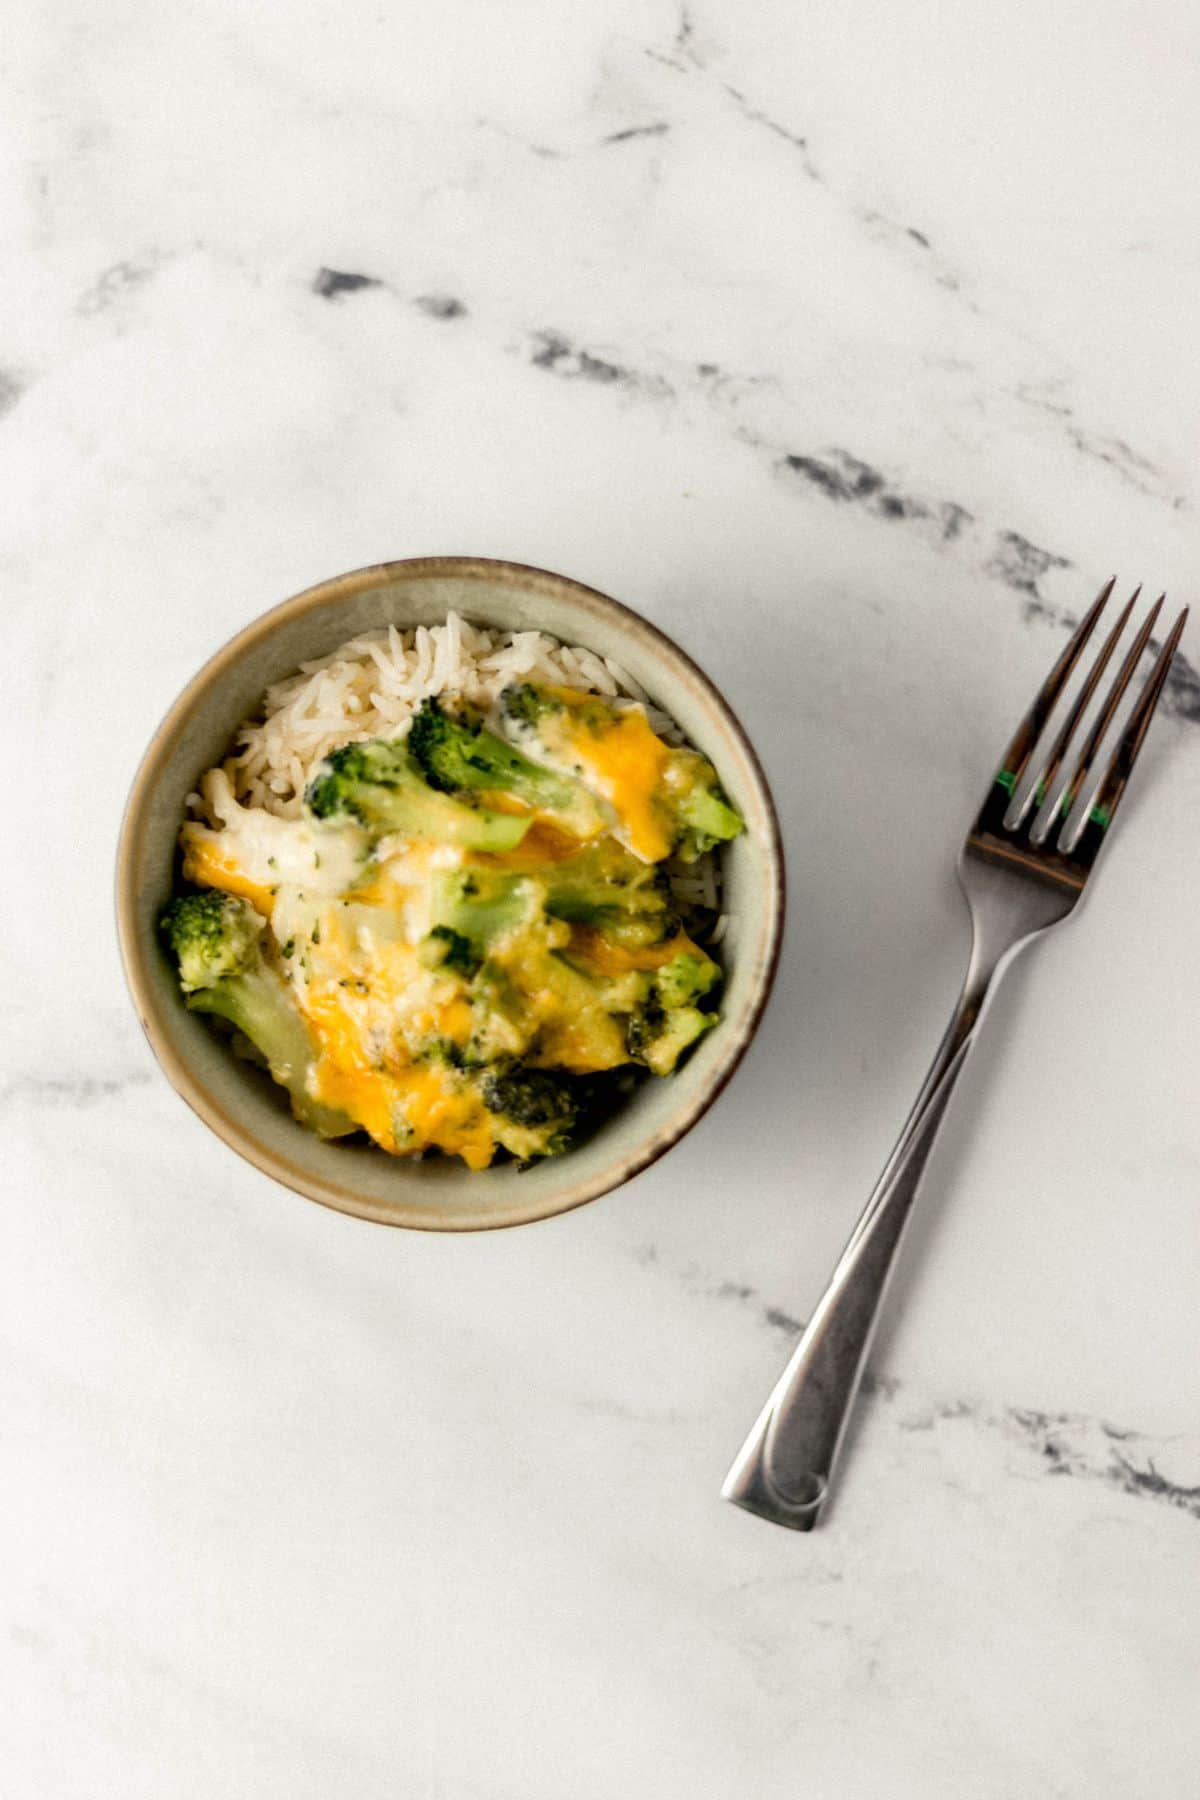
855,347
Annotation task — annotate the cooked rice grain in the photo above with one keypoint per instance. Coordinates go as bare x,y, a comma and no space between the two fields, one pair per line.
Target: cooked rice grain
372,685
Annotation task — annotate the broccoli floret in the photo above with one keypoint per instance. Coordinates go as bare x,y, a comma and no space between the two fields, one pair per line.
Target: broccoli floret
501,1026
701,813
689,797
534,1111
530,707
457,753
628,901
706,819
380,784
605,887
658,1039
670,1020
657,1036
529,1097
687,978
441,1052
478,905
525,704
448,949
212,935
216,939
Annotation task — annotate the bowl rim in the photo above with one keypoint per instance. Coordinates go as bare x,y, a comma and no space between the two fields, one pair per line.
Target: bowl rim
134,951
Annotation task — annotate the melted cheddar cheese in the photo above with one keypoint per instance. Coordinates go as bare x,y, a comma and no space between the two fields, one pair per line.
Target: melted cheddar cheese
619,757
404,1106
205,863
597,953
412,1019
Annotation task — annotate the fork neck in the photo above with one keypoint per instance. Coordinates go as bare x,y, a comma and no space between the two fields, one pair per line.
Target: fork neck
990,954
1006,914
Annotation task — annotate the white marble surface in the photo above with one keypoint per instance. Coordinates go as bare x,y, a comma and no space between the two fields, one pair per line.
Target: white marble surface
856,346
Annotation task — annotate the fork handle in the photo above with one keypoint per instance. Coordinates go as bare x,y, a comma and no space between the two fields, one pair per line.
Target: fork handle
784,1468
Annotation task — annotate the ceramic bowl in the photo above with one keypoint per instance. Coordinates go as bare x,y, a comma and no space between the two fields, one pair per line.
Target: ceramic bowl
237,1100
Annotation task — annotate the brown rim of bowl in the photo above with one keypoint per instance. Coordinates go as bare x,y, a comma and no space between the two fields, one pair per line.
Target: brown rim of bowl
178,1072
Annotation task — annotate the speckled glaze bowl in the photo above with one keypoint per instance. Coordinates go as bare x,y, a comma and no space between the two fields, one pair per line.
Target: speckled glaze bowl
240,1102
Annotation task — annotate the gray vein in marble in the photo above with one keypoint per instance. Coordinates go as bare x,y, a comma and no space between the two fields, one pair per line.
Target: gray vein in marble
683,52
548,152
336,284
1020,564
559,356
626,134
1136,470
836,474
1065,1443
115,283
686,55
333,284
658,129
69,1090
441,306
755,116
903,238
1128,463
840,476
12,386
1180,697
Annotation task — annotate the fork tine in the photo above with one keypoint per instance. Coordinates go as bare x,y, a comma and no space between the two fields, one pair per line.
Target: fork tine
1116,776
1016,757
1070,725
1104,717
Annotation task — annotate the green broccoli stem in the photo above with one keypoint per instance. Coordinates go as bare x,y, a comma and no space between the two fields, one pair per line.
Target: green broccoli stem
257,1002
457,751
460,825
658,1039
380,784
609,889
708,818
479,907
485,919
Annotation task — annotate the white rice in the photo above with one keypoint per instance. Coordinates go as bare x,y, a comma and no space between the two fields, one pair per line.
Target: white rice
372,686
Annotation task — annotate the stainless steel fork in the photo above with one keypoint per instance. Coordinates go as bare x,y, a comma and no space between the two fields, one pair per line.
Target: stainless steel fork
1023,868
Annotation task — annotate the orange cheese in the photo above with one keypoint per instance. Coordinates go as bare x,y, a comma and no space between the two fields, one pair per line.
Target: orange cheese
624,760
356,922
368,1096
447,1116
442,1114
543,843
343,1075
604,958
582,1047
208,867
